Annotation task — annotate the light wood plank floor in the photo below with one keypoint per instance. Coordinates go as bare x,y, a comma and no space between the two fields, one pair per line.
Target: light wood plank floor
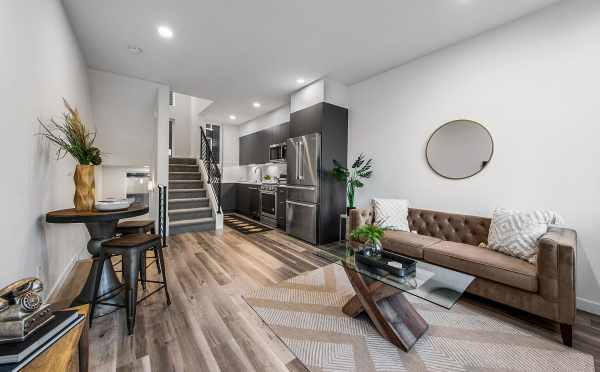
209,327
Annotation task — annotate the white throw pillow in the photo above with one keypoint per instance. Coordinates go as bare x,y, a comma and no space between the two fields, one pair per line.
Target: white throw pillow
391,213
516,233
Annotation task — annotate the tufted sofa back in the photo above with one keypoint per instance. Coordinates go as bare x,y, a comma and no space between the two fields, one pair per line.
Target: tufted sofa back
447,226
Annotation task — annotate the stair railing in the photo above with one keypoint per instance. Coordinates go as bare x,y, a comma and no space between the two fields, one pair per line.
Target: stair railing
212,168
162,214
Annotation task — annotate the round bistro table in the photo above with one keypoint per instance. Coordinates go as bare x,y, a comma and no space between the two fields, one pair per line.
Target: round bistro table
102,226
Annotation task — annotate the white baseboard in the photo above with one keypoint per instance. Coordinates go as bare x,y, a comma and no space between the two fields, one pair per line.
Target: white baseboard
589,306
67,270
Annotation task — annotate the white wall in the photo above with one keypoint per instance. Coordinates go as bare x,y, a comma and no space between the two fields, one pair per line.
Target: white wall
124,112
182,113
533,84
198,105
270,119
41,64
324,90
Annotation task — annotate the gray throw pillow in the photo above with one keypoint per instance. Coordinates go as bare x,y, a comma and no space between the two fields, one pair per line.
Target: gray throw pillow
516,233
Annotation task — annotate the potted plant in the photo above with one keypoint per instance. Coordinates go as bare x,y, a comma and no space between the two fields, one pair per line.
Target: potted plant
71,136
371,234
353,178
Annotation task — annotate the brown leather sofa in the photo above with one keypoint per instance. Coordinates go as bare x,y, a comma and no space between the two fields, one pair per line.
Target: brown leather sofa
546,289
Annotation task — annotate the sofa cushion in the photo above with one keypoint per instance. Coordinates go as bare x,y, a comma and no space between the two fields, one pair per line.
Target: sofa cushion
484,263
391,214
407,243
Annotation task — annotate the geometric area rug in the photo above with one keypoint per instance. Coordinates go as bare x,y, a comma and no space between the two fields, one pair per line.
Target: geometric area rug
305,312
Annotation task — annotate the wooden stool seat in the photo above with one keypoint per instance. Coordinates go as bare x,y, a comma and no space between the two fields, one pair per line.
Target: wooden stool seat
138,227
141,241
135,227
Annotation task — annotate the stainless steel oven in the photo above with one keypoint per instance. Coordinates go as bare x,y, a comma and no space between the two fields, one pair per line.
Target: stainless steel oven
277,153
268,204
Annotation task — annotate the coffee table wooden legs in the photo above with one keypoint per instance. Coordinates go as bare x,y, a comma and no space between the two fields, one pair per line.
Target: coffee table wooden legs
393,316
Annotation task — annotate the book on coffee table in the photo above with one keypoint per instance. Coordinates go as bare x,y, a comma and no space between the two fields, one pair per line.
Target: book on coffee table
16,355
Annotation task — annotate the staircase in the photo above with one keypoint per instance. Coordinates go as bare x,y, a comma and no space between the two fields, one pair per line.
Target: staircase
189,209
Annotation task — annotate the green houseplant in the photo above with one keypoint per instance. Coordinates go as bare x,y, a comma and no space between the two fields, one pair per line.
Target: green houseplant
353,178
371,234
72,137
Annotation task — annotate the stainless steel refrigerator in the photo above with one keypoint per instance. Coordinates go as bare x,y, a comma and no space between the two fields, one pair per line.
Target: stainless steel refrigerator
303,187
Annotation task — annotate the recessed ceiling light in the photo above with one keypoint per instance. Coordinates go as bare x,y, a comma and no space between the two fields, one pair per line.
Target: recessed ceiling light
256,104
134,50
232,117
165,32
300,81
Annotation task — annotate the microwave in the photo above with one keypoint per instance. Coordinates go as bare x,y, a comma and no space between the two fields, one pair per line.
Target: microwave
277,153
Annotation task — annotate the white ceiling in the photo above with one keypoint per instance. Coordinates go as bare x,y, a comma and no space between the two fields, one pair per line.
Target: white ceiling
237,52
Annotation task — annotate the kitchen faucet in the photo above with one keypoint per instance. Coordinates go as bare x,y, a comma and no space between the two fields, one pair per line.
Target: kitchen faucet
261,174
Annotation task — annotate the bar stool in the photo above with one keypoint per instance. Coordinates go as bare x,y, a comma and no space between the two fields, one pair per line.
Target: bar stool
140,227
130,248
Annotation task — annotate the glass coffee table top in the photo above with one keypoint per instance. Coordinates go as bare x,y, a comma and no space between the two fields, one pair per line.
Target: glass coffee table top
430,282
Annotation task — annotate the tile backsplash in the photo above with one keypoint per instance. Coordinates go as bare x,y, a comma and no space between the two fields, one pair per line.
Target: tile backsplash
248,173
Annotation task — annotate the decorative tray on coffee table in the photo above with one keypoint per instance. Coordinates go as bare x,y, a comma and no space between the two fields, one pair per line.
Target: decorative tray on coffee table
388,261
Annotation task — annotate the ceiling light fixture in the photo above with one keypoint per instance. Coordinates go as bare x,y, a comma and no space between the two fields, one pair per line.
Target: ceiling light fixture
134,50
256,104
232,117
165,32
300,81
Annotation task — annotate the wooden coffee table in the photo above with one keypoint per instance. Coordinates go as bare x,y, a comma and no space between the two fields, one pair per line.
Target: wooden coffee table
381,294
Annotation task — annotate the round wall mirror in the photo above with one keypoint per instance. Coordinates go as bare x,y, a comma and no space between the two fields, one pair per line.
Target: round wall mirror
459,149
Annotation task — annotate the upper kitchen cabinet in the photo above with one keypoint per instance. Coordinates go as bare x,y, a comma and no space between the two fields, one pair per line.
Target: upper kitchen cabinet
306,121
254,147
321,106
280,133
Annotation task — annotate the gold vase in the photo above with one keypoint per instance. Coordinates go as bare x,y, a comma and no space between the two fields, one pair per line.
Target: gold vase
85,188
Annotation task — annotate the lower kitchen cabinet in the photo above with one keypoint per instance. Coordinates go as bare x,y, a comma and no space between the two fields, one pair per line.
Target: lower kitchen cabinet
254,195
248,200
228,197
281,197
243,199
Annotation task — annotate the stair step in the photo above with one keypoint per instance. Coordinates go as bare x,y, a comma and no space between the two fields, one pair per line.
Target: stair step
187,193
198,224
188,161
189,213
180,176
187,203
185,184
184,168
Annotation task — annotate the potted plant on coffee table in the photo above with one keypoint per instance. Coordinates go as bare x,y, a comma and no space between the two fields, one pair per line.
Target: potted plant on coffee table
72,137
371,234
353,178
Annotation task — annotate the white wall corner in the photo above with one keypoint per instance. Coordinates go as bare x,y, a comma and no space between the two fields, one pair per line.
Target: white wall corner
60,281
337,93
588,305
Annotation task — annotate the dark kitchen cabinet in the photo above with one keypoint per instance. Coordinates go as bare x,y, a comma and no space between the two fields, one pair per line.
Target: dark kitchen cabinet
244,151
243,199
281,197
260,149
228,197
306,121
254,195
280,133
248,200
254,147
284,132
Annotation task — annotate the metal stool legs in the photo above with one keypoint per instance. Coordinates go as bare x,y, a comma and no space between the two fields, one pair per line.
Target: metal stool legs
133,265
